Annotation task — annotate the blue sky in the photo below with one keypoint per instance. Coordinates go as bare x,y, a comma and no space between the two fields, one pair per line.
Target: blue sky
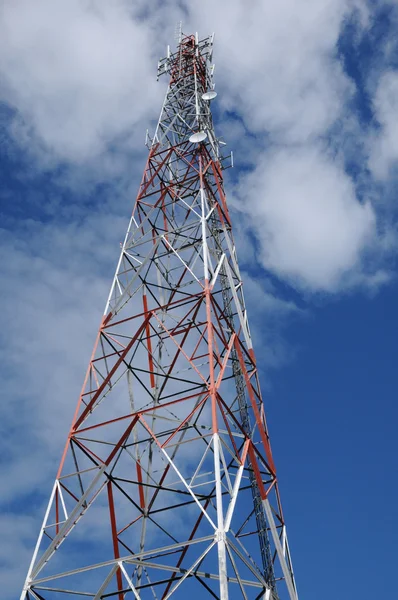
308,98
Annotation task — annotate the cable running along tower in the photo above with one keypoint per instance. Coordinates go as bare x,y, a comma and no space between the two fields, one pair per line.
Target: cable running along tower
167,486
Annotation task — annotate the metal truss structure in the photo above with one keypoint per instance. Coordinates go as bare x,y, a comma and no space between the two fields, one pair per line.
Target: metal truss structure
167,486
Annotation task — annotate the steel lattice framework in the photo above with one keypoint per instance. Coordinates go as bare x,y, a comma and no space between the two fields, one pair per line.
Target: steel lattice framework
167,485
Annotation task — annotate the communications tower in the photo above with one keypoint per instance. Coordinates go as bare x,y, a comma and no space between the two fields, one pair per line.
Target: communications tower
167,486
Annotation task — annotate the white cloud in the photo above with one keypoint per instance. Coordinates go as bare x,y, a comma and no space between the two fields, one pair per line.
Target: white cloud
18,534
277,63
50,309
311,228
78,73
82,75
384,143
279,70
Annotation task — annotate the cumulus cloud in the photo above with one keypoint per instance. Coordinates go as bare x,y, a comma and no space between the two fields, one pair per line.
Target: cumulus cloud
78,74
280,72
310,226
278,64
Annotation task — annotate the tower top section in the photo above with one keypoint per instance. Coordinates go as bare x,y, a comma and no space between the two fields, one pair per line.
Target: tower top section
186,114
187,45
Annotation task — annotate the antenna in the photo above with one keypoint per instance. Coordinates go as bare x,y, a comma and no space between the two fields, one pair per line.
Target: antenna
198,137
209,96
178,32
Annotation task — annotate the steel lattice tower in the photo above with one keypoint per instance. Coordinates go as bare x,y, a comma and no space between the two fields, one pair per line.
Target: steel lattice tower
167,486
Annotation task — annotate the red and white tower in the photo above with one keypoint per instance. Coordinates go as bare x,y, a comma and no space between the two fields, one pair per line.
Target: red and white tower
167,486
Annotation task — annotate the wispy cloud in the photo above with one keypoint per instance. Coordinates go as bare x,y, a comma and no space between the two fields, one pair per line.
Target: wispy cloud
384,150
